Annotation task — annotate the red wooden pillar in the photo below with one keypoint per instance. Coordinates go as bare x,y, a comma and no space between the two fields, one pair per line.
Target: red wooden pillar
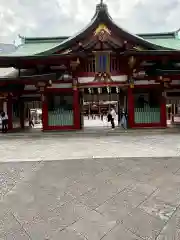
130,108
163,111
9,112
76,107
21,114
44,112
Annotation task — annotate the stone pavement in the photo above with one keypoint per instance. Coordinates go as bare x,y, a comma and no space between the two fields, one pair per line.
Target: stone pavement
111,187
109,199
59,147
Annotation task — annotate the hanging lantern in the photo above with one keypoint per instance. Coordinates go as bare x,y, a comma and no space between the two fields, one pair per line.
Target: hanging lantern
134,73
131,82
74,64
50,83
160,78
132,62
108,90
166,84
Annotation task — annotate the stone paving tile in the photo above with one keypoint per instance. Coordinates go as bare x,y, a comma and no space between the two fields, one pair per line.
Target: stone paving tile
143,188
48,196
41,223
61,147
143,225
78,189
68,235
96,196
102,189
158,208
140,176
93,226
171,231
169,194
11,229
119,233
121,182
13,173
118,207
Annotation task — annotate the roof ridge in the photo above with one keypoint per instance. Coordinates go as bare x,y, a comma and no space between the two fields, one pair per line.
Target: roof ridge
34,39
158,34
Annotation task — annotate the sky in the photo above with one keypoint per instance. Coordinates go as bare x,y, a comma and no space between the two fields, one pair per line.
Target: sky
40,18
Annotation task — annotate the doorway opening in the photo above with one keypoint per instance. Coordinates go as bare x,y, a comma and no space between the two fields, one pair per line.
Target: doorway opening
98,102
173,114
33,115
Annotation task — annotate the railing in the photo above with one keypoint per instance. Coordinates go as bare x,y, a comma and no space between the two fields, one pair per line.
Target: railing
60,117
147,115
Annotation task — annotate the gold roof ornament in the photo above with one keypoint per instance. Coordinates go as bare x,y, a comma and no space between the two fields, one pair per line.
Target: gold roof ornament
102,28
67,51
138,48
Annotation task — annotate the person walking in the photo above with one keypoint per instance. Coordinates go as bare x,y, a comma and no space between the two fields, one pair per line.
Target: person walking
4,118
31,123
102,116
113,117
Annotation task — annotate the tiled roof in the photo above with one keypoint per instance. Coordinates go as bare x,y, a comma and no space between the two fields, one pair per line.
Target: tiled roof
47,46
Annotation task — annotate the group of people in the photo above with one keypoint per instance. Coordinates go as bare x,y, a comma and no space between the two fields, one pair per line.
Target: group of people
4,121
112,116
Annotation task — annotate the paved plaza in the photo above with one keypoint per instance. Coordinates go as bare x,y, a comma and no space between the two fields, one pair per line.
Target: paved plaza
78,188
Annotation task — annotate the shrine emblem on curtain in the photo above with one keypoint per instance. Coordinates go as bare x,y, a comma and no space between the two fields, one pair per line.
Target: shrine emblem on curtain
102,61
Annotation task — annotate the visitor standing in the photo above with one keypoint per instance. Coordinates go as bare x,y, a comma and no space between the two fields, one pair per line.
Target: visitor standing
123,122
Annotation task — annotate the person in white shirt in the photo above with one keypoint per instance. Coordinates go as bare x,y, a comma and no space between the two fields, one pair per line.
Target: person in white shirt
4,118
113,116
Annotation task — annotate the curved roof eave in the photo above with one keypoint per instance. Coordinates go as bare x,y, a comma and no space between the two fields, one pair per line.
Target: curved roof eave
101,16
136,38
69,41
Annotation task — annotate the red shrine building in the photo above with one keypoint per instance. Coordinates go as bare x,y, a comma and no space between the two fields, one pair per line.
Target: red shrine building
102,62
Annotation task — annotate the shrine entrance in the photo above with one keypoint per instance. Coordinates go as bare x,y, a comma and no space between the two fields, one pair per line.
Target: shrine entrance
97,102
26,113
173,108
33,114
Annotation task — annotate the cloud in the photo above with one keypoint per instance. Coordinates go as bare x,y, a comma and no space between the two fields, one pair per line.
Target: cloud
65,17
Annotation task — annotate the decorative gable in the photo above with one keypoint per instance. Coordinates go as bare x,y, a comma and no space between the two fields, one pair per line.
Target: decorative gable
102,30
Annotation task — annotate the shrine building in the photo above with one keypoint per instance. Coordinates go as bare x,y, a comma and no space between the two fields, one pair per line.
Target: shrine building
103,62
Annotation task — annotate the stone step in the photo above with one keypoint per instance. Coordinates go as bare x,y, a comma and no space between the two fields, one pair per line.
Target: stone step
92,132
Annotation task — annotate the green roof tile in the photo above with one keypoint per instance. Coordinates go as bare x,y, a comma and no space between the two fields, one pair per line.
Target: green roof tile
171,43
30,49
39,47
49,45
